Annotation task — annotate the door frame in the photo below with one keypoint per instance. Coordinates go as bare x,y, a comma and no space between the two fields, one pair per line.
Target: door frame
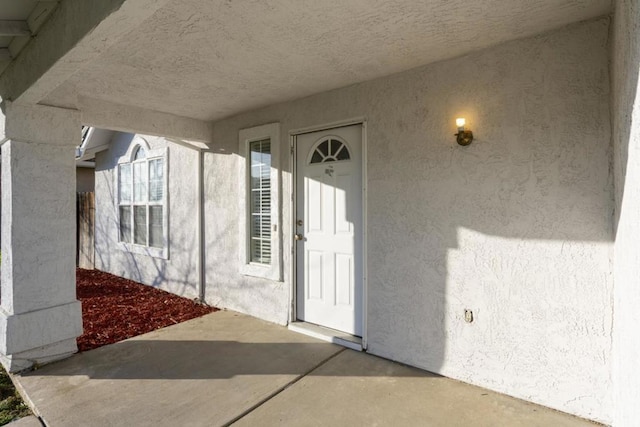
293,134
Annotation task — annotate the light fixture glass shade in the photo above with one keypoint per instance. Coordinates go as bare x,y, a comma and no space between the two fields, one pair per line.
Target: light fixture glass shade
460,122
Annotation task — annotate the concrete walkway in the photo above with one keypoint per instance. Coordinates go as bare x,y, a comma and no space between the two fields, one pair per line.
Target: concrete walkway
229,368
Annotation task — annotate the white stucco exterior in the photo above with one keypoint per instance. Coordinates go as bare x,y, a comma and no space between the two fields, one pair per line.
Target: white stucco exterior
625,56
179,272
533,227
516,227
39,314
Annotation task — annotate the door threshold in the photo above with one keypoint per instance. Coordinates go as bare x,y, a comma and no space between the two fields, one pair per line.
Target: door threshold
327,334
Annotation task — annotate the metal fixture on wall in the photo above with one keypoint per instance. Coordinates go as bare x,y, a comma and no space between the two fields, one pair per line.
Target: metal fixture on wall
464,137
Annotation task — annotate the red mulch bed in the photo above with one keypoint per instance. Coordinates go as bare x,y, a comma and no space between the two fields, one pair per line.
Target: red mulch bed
114,309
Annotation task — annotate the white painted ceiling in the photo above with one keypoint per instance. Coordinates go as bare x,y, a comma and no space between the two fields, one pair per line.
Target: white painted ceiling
210,59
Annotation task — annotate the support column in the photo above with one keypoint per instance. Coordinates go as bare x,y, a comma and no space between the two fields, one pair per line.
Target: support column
40,317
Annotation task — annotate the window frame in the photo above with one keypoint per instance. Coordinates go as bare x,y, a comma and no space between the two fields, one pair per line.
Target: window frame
129,158
273,270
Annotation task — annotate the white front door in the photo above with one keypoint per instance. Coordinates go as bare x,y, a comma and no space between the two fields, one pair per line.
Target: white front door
329,228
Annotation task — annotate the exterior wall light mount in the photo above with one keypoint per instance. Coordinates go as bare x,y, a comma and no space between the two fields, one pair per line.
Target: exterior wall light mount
463,137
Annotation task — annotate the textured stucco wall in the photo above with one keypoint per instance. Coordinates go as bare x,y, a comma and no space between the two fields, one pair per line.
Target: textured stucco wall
625,56
225,286
40,316
516,227
179,273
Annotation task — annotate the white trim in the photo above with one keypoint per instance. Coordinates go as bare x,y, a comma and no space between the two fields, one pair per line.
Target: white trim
91,152
131,151
163,153
87,137
200,227
272,271
365,283
293,134
293,315
327,334
329,126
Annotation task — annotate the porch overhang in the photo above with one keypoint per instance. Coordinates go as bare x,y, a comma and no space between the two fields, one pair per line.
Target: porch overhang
171,68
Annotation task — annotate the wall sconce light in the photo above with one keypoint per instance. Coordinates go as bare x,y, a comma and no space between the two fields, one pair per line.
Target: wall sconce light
464,137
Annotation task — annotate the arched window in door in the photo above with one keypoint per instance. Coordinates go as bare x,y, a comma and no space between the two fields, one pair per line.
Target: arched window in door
330,149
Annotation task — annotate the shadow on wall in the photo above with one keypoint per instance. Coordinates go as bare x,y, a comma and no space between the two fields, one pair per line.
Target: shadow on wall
624,93
224,285
626,141
516,227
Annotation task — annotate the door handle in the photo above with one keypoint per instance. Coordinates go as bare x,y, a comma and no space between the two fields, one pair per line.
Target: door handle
298,237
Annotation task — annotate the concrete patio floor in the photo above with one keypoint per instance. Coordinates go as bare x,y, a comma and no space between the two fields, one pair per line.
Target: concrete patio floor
227,368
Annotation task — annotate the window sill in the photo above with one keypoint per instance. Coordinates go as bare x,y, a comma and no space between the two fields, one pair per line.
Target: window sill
261,270
162,253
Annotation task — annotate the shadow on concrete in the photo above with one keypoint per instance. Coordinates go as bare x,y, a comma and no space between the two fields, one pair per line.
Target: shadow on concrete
204,360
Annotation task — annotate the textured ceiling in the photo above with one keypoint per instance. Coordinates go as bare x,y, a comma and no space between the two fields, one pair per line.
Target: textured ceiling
210,59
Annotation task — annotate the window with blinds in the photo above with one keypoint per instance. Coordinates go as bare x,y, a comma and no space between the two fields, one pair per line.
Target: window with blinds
141,200
260,201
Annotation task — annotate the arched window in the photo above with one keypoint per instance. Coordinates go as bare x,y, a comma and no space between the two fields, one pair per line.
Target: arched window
141,199
139,153
330,150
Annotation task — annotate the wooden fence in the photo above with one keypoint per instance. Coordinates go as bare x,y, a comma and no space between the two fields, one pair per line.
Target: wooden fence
85,220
